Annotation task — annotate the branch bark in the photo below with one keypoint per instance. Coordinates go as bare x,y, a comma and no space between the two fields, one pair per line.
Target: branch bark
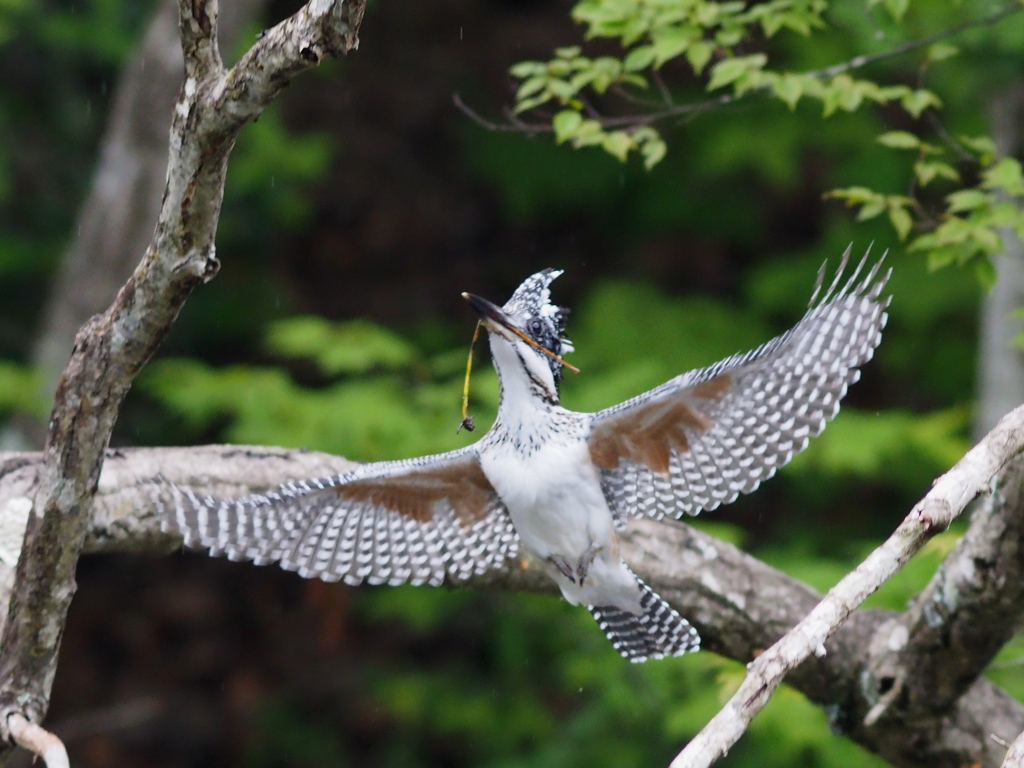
740,605
951,493
40,742
111,348
1015,755
116,220
955,627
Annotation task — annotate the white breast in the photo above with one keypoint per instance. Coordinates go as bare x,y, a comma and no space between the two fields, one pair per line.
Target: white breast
553,495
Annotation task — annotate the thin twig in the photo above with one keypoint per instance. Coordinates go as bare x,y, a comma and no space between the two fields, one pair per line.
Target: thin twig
490,125
949,496
666,94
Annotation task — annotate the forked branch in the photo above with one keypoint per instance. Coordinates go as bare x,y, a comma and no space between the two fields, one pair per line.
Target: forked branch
112,347
971,477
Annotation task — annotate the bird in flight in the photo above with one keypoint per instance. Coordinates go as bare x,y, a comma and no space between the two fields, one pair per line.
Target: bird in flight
560,484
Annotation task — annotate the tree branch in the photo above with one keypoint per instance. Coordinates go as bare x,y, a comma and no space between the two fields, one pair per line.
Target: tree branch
956,626
1015,755
739,604
951,493
111,348
38,741
115,222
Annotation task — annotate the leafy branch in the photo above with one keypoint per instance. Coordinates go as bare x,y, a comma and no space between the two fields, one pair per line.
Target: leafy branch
653,33
607,102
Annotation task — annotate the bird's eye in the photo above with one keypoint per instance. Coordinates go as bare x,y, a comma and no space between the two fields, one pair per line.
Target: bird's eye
535,327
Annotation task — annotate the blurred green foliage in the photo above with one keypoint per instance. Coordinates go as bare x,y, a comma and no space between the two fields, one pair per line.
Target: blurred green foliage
269,177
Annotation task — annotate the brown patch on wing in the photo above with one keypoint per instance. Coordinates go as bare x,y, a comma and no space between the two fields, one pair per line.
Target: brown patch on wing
712,389
416,493
648,433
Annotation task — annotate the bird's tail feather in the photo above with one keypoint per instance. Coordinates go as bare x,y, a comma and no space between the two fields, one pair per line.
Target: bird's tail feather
654,634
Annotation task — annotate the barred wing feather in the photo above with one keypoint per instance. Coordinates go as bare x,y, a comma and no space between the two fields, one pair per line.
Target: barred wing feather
397,522
703,438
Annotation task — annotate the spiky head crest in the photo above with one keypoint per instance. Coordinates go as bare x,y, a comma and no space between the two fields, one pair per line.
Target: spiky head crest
530,308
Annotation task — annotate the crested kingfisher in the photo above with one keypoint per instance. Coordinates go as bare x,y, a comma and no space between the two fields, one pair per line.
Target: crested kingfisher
559,484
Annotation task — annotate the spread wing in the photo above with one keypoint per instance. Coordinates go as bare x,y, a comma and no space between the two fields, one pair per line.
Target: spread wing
705,437
393,522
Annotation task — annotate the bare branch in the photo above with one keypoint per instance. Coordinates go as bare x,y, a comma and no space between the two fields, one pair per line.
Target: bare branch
513,124
112,347
38,741
115,222
949,496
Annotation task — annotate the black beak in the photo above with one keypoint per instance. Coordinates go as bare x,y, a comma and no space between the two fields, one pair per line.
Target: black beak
488,312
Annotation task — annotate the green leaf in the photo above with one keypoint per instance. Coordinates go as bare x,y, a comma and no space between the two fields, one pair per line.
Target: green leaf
986,273
731,70
565,124
870,210
789,88
983,146
526,69
967,200
588,134
899,140
639,58
653,151
530,86
854,195
699,54
987,238
918,101
569,52
901,221
897,8
534,101
618,144
1005,175
669,43
1004,214
851,98
562,90
929,170
941,51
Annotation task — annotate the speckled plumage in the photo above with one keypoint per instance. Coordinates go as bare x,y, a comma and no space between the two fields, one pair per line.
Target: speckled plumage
556,483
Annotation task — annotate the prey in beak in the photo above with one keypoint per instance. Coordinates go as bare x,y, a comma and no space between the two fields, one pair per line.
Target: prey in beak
494,319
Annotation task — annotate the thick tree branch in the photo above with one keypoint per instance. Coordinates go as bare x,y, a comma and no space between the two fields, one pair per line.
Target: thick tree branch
740,605
116,220
112,347
956,626
951,493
